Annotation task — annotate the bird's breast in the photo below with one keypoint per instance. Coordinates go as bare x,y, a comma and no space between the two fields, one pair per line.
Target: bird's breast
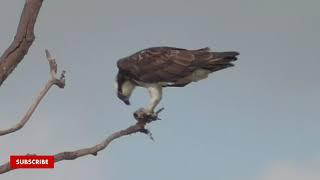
145,84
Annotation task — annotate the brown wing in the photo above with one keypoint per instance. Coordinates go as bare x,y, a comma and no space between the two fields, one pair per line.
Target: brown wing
159,64
168,64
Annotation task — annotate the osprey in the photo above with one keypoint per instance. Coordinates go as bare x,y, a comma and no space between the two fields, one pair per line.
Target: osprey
158,67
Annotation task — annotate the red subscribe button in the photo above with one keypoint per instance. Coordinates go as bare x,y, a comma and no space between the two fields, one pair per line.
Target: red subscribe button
41,162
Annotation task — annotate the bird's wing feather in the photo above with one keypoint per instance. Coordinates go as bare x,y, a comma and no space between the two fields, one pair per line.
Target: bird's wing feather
159,64
168,64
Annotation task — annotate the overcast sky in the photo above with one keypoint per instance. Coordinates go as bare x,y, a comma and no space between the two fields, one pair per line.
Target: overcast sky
256,121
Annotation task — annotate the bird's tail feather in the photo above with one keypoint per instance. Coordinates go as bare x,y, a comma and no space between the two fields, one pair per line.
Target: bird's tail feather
215,61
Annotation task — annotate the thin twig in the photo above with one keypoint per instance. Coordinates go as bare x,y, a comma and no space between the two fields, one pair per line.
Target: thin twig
54,80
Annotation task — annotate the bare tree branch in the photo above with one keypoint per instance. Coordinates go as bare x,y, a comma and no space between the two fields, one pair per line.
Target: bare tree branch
71,155
22,41
54,80
14,55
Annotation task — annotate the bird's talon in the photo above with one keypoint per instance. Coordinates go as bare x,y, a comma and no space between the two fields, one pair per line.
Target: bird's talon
142,115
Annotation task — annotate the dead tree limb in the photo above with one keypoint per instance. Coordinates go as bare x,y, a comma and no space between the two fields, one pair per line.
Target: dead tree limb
71,155
14,55
22,41
54,80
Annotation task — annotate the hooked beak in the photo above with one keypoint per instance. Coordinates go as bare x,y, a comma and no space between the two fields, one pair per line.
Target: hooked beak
125,99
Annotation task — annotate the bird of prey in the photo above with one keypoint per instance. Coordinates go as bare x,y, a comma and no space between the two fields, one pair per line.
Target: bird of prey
157,67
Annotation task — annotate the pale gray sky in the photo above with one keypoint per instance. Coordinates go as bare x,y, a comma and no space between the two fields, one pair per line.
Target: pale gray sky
256,121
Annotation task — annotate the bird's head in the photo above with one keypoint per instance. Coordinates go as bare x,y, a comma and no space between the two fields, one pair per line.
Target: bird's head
124,88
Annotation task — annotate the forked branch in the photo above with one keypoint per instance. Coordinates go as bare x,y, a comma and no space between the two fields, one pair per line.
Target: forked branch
54,80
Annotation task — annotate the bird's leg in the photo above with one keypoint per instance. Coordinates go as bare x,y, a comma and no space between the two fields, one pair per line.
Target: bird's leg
155,92
148,113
